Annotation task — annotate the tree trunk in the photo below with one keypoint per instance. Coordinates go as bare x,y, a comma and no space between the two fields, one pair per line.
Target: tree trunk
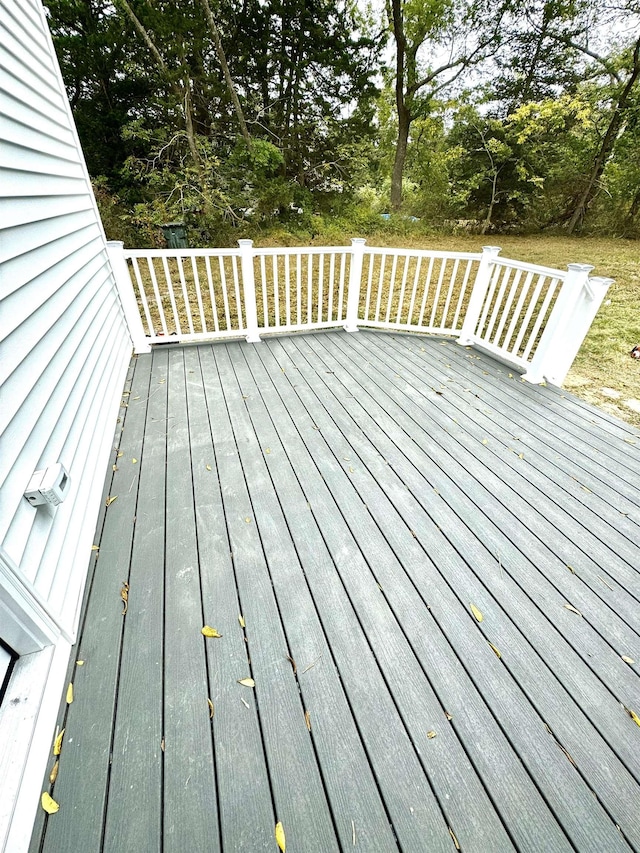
581,205
632,213
235,100
404,123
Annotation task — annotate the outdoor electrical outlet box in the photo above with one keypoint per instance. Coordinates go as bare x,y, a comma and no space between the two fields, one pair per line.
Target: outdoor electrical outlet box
49,486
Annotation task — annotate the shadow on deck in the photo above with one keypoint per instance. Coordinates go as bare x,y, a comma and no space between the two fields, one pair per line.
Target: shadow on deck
430,570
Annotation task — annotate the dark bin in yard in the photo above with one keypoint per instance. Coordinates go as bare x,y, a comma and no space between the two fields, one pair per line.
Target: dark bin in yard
175,235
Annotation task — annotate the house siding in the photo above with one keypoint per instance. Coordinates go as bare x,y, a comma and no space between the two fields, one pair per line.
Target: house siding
64,352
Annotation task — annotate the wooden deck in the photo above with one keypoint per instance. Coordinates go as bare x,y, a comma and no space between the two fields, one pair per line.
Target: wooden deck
437,572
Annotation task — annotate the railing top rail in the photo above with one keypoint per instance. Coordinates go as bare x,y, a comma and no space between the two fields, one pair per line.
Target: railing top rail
528,267
180,253
423,253
299,250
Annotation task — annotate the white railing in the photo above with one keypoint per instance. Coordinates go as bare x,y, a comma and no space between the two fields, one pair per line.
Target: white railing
532,317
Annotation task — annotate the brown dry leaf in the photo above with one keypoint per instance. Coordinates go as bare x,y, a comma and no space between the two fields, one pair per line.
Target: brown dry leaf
54,772
280,839
241,621
496,650
211,709
293,664
208,467
70,694
633,715
207,631
572,609
247,682
57,744
48,804
627,660
111,499
124,595
453,836
307,719
431,735
477,613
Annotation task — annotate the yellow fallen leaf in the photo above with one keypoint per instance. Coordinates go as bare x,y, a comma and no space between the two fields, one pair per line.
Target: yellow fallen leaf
95,547
280,839
248,520
133,461
210,632
453,836
79,663
520,455
485,441
111,499
124,595
241,621
307,719
268,450
114,467
431,735
247,682
633,715
120,454
496,650
54,772
477,613
49,804
208,467
627,660
69,694
211,709
57,744
572,609
571,569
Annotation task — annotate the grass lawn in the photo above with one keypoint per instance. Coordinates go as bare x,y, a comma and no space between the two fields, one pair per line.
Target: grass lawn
603,361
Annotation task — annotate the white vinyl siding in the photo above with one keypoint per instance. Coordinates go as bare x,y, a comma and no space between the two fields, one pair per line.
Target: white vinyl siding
64,352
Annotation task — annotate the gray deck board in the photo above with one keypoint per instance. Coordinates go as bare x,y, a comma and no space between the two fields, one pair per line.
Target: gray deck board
316,500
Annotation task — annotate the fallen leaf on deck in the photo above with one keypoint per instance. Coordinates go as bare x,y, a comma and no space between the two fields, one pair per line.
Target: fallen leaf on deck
95,547
124,595
279,833
49,804
69,694
247,682
633,715
496,650
448,715
79,663
110,500
627,660
162,744
133,461
57,744
208,467
211,709
241,621
54,772
520,455
114,467
307,719
121,454
431,735
248,520
485,441
268,450
455,840
293,664
571,569
572,609
244,702
210,632
477,613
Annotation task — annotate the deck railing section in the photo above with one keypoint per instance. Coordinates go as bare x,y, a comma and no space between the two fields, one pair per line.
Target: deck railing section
532,317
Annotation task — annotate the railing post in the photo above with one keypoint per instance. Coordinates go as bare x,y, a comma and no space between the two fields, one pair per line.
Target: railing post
480,287
249,291
571,318
115,253
355,277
